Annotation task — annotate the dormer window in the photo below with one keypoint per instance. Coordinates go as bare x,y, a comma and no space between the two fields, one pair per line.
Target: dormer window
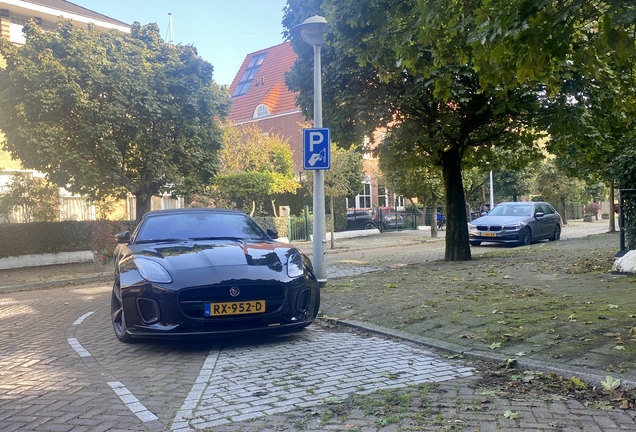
261,111
249,74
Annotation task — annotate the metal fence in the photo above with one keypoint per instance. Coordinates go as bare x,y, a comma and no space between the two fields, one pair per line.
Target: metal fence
299,227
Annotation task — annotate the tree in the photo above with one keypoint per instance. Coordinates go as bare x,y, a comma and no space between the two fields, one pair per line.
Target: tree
29,199
581,51
410,173
254,167
377,74
558,188
105,113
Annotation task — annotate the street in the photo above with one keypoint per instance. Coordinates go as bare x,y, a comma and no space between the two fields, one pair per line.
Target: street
62,369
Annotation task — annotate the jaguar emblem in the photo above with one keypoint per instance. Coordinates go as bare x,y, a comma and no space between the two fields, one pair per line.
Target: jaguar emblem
234,291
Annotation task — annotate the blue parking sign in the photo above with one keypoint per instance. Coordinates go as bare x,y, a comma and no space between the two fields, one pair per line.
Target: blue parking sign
316,154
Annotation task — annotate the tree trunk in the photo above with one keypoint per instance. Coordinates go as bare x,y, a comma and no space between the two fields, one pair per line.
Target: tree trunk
333,234
457,246
565,211
273,201
142,205
612,215
424,203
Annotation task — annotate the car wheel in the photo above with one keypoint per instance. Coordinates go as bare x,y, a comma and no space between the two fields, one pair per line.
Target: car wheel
474,243
369,225
526,237
117,314
557,233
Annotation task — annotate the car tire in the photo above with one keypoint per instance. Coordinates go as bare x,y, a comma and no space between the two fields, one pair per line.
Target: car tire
369,225
474,243
556,235
117,314
526,237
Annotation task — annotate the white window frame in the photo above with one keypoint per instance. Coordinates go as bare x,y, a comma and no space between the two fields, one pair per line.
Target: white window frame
364,200
261,111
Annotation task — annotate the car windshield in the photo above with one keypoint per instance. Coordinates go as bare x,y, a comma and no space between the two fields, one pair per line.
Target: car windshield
512,210
198,226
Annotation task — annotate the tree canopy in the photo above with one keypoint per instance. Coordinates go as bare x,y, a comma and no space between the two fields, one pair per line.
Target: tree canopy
378,74
254,167
105,113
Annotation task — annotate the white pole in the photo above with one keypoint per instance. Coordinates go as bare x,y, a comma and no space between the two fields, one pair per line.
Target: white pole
492,197
170,25
320,237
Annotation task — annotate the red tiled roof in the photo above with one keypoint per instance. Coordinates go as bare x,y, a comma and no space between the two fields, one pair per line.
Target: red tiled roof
268,87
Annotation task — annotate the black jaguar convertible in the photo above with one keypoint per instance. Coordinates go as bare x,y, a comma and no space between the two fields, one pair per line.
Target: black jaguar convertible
195,272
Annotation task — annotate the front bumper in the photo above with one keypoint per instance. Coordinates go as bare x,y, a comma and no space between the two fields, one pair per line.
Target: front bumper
156,311
502,236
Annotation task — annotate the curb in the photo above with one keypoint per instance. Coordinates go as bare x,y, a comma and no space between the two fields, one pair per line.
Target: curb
590,376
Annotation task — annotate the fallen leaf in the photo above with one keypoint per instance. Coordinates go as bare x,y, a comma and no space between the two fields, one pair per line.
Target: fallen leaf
512,415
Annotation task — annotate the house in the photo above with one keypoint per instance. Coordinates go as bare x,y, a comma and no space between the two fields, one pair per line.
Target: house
260,97
14,14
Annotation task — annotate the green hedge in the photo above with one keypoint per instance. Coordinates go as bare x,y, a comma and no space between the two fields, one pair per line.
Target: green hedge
51,237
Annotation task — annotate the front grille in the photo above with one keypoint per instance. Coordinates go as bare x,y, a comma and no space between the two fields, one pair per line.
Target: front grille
192,301
148,310
489,228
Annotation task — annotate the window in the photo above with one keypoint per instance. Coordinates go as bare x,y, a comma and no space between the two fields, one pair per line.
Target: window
249,74
261,111
383,200
399,201
364,198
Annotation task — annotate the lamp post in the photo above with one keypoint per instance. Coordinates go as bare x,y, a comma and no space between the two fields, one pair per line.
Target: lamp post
312,32
492,198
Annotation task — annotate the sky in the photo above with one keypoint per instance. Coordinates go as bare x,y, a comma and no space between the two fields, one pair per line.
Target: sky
224,32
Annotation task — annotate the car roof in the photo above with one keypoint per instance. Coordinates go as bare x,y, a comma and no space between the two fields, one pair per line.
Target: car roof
193,210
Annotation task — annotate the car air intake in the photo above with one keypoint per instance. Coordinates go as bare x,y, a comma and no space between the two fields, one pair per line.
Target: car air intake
302,301
148,310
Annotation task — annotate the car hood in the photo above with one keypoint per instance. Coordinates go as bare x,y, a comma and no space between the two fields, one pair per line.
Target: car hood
205,254
500,220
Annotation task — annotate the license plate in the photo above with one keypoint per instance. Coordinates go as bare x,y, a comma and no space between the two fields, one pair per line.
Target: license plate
235,308
489,234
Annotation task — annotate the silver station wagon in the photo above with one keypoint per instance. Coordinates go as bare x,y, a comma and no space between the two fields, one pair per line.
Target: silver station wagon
518,223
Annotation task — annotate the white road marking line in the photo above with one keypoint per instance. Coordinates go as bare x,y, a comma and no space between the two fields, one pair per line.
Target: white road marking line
132,402
82,318
78,347
192,400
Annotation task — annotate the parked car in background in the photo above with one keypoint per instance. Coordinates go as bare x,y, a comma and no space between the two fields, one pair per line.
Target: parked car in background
392,221
192,272
519,223
360,219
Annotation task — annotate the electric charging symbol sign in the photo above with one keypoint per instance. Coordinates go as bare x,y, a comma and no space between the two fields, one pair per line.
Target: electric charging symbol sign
316,154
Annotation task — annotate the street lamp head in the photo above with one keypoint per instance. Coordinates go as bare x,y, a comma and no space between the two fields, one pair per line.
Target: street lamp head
311,30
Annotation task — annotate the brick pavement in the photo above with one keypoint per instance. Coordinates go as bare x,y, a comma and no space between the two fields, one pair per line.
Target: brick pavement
46,384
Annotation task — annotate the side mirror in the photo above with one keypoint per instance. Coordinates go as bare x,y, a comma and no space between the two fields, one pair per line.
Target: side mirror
272,233
123,237
539,214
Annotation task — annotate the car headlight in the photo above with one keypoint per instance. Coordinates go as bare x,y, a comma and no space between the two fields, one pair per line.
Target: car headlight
152,271
471,226
295,265
516,226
